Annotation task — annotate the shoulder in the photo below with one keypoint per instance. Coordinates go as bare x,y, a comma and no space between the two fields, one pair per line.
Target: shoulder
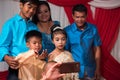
56,22
67,52
9,24
68,28
11,20
92,26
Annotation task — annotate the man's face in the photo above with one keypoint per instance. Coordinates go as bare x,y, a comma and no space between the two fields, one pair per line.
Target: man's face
27,10
79,18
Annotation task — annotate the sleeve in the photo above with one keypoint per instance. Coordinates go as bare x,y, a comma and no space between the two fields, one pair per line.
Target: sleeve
67,46
5,39
97,40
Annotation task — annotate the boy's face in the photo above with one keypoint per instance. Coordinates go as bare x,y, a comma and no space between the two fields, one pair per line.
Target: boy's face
34,43
79,18
27,10
59,41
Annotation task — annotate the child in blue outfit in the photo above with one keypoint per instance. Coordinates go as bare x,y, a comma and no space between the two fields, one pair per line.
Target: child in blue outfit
84,43
12,40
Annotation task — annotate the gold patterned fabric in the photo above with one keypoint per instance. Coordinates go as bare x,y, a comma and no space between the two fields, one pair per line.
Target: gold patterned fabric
30,67
64,57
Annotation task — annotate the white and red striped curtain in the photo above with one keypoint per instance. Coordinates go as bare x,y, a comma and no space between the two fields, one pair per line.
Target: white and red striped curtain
105,14
107,19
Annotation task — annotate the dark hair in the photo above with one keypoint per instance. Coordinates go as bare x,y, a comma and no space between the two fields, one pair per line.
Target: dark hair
31,1
79,8
35,17
58,30
33,33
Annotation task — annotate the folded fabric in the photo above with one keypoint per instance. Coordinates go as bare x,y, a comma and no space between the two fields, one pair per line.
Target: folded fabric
30,66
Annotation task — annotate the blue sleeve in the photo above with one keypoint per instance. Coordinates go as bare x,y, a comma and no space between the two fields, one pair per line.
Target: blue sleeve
97,41
67,46
5,39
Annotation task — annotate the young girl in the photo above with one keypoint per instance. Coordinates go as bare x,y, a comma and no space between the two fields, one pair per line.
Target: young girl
59,37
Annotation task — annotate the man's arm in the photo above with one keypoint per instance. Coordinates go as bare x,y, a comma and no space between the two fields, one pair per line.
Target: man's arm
97,51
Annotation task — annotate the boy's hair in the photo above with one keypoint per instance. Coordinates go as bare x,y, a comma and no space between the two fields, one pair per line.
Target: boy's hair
32,33
79,8
31,1
56,29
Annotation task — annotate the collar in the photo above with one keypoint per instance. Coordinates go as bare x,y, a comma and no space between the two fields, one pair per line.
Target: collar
75,28
19,18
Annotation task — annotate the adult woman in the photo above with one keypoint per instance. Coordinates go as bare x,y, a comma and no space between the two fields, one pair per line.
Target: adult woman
43,20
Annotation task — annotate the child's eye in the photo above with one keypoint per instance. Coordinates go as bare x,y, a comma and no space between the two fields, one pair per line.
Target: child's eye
57,40
34,43
46,11
63,38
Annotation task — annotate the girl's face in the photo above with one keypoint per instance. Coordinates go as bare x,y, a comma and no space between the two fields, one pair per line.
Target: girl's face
34,43
27,10
43,13
59,41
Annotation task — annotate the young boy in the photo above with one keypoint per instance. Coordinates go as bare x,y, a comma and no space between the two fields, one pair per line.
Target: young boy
31,62
84,43
12,40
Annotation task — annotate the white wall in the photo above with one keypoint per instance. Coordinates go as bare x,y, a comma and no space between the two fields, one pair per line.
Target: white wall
7,9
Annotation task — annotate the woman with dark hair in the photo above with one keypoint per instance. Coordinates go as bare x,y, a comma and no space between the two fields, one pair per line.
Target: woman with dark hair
43,20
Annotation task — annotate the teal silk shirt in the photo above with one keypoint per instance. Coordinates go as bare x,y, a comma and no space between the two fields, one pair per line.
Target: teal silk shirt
12,41
47,41
80,43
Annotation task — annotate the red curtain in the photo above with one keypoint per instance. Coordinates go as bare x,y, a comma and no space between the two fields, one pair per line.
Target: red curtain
107,22
3,75
68,4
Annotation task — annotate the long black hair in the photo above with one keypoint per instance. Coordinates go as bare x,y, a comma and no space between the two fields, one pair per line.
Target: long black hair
35,17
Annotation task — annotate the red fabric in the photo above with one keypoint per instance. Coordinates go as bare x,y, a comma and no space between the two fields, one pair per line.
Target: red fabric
107,22
67,2
3,75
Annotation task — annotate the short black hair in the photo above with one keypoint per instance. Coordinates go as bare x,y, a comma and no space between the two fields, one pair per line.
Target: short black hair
31,1
56,29
79,8
33,33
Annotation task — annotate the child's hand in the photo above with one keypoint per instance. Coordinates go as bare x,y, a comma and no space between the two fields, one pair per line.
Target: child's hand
43,55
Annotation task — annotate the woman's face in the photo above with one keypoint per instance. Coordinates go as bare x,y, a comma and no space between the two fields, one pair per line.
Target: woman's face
43,13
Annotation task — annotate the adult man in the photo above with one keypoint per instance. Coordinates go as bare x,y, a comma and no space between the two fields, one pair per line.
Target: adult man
84,43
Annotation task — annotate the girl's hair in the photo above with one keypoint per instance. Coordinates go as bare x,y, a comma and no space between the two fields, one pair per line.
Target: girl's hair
56,29
35,17
31,1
